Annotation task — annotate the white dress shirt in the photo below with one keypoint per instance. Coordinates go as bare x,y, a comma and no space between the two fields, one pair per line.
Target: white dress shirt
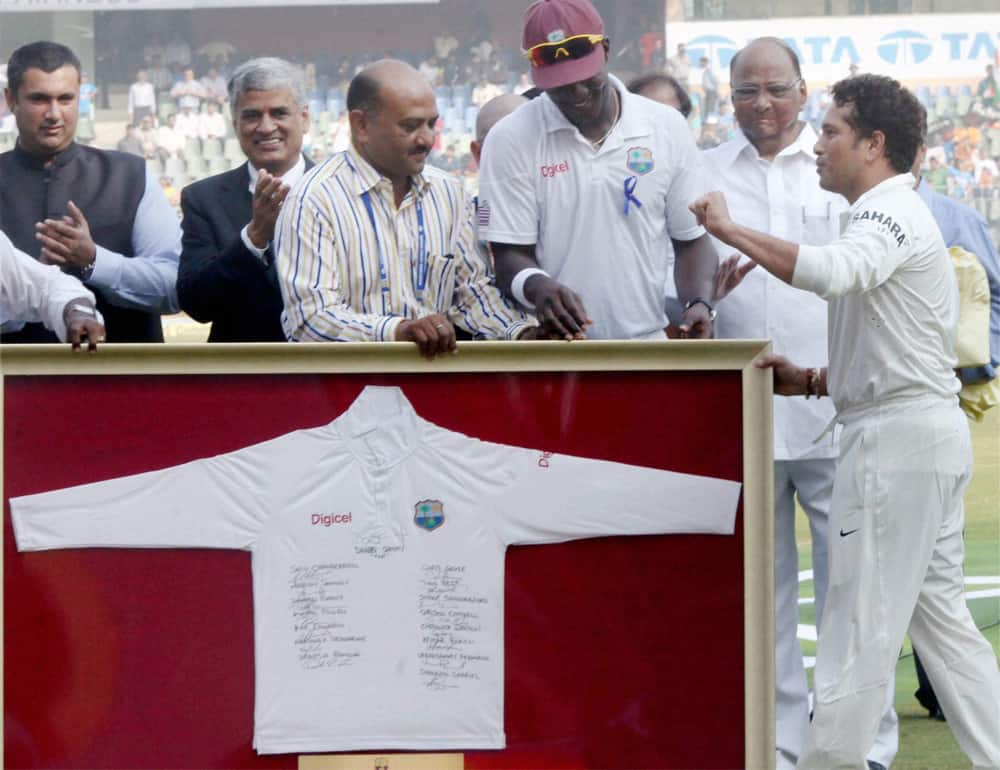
781,197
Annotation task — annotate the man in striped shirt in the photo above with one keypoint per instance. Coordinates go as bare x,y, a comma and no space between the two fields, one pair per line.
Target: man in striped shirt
373,245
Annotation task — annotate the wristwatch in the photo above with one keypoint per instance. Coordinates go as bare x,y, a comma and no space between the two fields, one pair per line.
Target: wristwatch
84,273
712,312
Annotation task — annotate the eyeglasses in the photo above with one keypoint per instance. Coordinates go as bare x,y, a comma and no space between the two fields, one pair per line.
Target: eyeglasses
575,47
774,90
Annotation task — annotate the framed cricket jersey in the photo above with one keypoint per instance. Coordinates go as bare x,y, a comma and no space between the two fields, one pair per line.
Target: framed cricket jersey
536,554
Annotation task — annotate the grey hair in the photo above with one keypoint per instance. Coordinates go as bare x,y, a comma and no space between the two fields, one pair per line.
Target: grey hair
268,73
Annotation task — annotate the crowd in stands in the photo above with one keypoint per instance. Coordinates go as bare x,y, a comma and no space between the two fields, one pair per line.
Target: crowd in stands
180,121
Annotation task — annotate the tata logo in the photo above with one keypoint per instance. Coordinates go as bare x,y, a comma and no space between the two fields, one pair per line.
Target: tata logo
555,168
329,519
543,461
718,49
905,47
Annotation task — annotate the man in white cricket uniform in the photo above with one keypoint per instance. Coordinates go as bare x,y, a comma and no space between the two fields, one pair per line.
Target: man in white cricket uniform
378,546
31,292
583,189
905,452
768,174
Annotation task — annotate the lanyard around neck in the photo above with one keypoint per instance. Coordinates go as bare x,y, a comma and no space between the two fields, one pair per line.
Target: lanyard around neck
422,256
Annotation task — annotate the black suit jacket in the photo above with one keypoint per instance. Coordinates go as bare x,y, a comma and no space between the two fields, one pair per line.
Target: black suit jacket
219,279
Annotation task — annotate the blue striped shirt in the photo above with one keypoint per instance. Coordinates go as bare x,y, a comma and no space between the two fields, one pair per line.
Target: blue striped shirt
352,266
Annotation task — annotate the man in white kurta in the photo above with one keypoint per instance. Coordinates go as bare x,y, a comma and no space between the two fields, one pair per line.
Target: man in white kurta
905,452
378,546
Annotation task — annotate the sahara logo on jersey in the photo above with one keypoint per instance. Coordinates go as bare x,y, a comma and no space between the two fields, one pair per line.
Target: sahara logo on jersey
428,514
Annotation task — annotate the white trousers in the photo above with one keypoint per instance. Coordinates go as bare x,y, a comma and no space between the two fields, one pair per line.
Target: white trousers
896,554
812,482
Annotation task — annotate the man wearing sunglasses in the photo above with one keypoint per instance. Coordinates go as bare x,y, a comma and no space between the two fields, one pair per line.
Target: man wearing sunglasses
768,173
583,190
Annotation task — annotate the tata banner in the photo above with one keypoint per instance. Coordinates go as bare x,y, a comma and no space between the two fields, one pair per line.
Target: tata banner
923,47
148,5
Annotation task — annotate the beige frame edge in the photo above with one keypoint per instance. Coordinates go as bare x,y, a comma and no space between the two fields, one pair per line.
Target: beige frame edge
688,355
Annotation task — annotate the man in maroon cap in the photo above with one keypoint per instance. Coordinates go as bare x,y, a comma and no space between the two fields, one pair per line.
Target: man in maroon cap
584,193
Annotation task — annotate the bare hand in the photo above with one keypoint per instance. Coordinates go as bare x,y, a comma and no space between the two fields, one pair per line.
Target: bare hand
730,275
697,323
712,213
268,195
559,310
789,379
433,334
82,326
66,242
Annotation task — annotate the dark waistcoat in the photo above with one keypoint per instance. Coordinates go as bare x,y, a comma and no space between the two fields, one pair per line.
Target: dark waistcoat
107,188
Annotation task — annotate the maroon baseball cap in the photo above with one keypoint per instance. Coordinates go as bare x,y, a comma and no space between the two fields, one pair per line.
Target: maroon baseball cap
550,21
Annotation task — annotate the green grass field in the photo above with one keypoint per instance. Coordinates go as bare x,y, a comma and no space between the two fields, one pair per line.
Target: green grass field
925,744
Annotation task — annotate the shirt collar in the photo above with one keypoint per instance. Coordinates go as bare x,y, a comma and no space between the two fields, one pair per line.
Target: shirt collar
631,121
290,177
886,185
57,161
729,152
380,427
367,177
924,190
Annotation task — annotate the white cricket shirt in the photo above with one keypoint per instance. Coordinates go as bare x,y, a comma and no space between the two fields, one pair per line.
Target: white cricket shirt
781,197
31,291
893,300
541,182
378,557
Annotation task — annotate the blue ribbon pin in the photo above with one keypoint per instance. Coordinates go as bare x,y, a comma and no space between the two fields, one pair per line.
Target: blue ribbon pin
630,185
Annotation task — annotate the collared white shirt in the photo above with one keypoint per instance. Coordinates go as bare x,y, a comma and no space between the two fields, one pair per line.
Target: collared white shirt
893,300
170,139
290,178
378,544
781,197
187,124
211,125
31,292
600,220
141,94
352,266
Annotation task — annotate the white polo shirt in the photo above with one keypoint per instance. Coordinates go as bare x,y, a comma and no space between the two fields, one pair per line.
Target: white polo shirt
781,197
893,301
378,546
542,183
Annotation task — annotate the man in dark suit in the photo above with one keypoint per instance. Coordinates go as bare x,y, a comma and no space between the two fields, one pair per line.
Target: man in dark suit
226,273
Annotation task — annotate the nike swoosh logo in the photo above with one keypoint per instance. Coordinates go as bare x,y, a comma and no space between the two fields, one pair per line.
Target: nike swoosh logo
851,532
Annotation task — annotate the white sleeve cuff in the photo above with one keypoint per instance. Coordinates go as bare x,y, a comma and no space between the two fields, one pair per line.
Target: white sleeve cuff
517,285
259,253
